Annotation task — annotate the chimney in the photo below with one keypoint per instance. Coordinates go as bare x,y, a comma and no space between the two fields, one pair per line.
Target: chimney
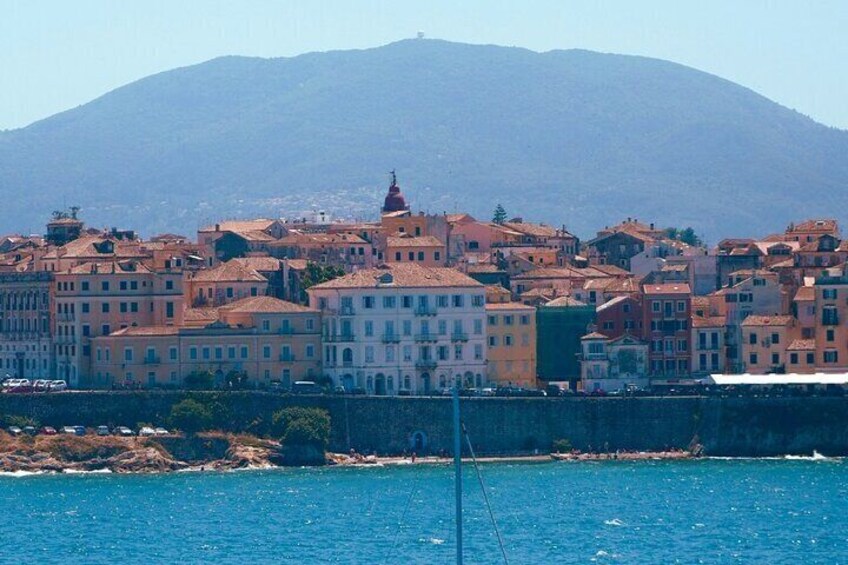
217,227
652,225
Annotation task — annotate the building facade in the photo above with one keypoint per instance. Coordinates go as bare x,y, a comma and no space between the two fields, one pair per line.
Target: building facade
511,335
26,347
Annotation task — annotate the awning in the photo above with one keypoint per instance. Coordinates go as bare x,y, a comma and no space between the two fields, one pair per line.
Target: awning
787,379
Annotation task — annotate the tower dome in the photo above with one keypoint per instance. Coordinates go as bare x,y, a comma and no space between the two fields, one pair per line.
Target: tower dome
395,201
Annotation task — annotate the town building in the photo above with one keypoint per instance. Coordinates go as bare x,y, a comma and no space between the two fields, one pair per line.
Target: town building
610,365
666,314
708,347
26,346
764,343
253,342
560,323
511,335
403,329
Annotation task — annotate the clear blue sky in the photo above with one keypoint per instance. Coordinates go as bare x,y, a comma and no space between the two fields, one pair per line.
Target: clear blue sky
55,55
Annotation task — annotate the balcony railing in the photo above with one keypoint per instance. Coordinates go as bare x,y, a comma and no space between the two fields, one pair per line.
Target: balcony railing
459,336
425,311
152,360
347,311
426,338
425,364
340,338
391,338
286,357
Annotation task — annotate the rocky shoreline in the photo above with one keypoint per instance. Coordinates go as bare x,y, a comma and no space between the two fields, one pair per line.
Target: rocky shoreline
61,453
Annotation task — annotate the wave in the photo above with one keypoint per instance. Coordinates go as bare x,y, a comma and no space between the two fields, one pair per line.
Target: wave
614,522
14,474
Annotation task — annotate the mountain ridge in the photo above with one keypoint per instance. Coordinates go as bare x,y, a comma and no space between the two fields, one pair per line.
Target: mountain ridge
565,136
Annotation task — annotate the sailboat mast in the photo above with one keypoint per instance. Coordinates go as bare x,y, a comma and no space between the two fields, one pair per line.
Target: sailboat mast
457,463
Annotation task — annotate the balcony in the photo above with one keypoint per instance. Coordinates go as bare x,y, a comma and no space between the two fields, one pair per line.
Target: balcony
65,317
459,337
152,360
426,338
425,311
286,357
340,338
391,338
347,311
425,364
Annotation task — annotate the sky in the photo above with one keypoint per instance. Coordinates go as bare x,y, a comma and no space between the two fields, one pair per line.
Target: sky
56,55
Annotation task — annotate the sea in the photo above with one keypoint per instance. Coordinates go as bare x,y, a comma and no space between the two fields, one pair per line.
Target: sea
786,510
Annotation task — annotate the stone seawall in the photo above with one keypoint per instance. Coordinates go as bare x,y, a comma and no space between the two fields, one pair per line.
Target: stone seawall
497,426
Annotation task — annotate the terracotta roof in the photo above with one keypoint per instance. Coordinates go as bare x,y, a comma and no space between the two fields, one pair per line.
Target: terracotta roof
535,230
820,225
564,301
483,268
296,264
508,306
412,241
611,270
264,305
240,226
455,218
403,275
109,268
802,345
229,272
805,293
667,288
708,321
147,330
201,315
674,268
558,273
594,335
259,263
614,302
767,321
540,292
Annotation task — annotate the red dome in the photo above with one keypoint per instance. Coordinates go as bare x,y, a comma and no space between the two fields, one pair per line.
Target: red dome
395,201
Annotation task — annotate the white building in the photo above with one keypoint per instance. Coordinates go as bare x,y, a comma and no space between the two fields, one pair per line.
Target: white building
613,364
403,329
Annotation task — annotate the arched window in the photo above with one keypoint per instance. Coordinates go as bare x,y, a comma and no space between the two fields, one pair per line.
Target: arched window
390,383
407,382
443,381
347,356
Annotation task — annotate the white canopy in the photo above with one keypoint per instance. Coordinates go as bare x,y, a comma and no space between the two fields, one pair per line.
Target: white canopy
787,379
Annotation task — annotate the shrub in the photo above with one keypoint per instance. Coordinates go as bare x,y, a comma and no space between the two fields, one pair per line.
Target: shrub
562,445
200,380
305,434
190,416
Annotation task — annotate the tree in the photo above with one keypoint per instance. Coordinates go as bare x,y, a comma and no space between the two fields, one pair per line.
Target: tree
304,433
500,215
685,235
316,274
190,416
200,380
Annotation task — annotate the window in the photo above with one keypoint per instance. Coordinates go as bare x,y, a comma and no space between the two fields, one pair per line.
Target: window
682,345
172,353
775,359
390,353
752,338
85,308
406,301
369,328
442,353
456,300
493,320
477,300
793,358
493,341
84,285
442,301
104,307
397,255
831,356
105,329
231,352
811,358
123,285
437,255
169,309
229,292
266,325
169,285
608,325
128,354
104,286
310,324
829,294
86,330
655,306
775,338
368,302
752,358
508,319
420,255
478,326
525,320
244,352
123,307
407,354
681,306
407,327
625,308
443,327
457,352
133,306
478,352
830,334
388,302
266,351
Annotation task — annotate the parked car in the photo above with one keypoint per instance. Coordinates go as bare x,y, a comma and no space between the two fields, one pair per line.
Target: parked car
48,431
162,432
102,430
146,431
123,431
41,385
339,389
306,387
58,386
79,430
69,430
30,430
14,430
18,385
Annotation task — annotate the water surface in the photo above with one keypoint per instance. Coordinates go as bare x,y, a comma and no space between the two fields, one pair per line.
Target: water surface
714,511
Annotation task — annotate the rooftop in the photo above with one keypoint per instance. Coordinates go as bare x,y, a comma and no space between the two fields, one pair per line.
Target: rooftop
402,275
667,288
264,305
767,321
231,271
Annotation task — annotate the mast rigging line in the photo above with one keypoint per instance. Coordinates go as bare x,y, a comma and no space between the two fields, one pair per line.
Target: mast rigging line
485,496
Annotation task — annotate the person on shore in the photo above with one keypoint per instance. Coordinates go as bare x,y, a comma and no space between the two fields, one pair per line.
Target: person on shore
413,456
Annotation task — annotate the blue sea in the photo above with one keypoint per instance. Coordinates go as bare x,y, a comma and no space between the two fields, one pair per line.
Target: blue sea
709,511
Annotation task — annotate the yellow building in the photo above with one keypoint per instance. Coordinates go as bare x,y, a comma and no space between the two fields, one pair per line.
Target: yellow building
764,343
831,311
261,338
511,334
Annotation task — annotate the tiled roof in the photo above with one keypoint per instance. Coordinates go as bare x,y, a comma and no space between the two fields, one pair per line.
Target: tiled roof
594,335
412,241
667,288
201,315
820,225
802,345
296,264
483,268
805,294
403,275
674,268
614,302
229,272
258,263
508,306
110,268
611,270
240,226
535,230
264,305
147,331
540,292
767,321
708,321
564,301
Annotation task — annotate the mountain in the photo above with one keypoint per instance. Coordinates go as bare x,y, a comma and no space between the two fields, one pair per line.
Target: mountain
566,137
